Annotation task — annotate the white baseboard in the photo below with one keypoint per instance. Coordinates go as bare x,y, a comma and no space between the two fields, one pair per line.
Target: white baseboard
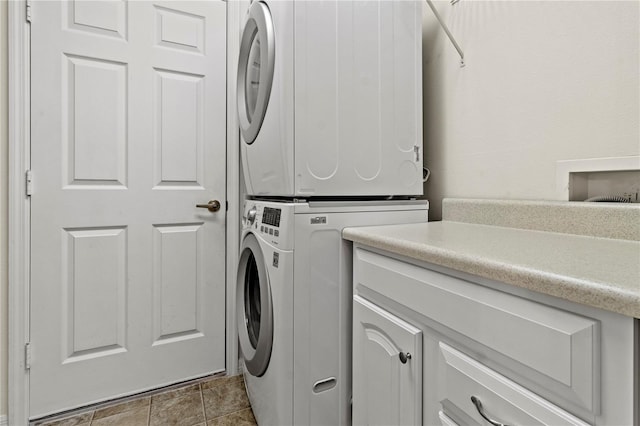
3,420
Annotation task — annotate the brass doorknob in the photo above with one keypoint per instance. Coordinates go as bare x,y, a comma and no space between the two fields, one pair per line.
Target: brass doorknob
213,206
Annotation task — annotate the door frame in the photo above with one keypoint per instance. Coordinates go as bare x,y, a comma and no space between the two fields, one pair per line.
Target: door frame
19,207
19,124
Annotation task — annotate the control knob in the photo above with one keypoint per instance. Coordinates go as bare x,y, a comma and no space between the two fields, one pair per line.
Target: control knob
251,215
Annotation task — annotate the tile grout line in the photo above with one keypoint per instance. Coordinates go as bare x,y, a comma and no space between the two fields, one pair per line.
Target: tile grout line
149,411
204,411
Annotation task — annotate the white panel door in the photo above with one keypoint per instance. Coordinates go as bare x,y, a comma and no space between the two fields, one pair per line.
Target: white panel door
128,135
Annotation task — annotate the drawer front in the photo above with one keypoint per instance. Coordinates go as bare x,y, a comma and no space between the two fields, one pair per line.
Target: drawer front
501,399
446,420
560,347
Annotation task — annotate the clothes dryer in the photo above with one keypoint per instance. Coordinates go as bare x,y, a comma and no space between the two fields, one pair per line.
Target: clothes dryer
330,98
294,298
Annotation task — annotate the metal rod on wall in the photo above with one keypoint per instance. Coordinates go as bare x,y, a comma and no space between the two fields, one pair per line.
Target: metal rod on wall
446,30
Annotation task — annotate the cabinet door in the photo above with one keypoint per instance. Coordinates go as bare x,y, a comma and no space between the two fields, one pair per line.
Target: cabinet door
387,367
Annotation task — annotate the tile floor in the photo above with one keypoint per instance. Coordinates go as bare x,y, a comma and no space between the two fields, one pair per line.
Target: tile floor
218,401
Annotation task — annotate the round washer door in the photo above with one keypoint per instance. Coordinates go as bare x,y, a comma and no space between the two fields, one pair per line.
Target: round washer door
255,70
254,307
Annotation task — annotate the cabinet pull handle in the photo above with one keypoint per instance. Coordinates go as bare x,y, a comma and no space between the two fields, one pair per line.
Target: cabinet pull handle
404,357
478,404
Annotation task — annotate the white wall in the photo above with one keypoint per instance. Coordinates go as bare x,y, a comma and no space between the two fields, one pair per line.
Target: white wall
3,207
543,81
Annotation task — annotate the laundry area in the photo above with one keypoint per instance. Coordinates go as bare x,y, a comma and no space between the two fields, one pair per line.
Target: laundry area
319,212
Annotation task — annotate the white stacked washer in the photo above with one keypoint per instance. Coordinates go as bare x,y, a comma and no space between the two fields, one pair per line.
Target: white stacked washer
294,299
330,98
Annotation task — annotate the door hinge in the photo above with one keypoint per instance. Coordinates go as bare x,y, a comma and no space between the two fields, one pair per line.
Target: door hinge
27,356
28,178
28,6
416,150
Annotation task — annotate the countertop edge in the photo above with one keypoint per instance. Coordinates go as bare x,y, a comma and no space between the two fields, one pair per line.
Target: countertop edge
589,293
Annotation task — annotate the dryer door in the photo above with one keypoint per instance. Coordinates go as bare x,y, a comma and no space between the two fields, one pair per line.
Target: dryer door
255,70
254,307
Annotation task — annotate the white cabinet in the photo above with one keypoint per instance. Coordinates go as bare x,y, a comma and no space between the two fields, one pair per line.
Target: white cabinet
387,371
526,358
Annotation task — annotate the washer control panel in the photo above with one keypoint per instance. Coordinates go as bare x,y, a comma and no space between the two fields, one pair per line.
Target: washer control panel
271,216
269,220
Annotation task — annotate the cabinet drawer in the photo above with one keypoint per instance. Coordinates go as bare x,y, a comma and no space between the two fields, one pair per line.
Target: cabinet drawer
558,348
502,400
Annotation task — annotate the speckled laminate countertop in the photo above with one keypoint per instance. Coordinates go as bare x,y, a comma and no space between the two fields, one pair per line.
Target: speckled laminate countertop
595,271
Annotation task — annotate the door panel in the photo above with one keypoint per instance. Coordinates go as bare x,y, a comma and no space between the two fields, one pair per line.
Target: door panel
94,281
128,134
386,390
180,119
177,282
96,136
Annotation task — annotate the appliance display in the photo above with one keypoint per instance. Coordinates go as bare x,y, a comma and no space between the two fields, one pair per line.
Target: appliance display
294,298
330,98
